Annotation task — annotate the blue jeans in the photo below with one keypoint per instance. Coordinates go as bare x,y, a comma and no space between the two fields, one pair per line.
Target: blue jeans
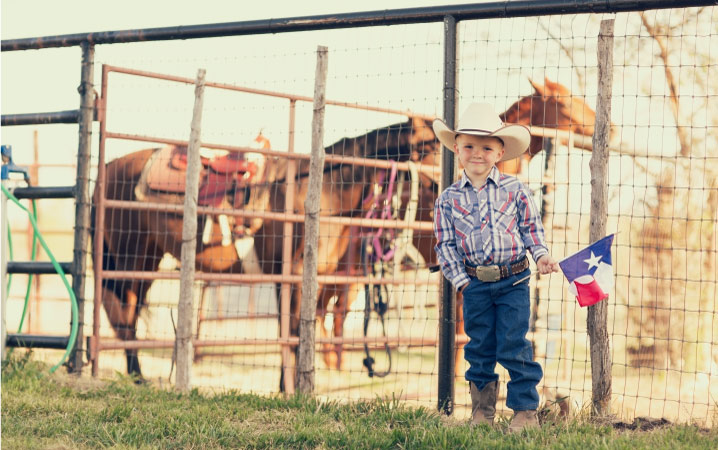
496,319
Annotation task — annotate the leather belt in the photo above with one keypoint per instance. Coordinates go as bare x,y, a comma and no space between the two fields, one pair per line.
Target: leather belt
496,272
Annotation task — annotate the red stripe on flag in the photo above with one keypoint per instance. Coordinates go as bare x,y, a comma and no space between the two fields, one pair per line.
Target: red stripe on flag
590,293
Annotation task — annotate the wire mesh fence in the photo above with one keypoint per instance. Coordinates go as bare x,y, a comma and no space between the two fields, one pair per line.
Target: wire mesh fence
379,301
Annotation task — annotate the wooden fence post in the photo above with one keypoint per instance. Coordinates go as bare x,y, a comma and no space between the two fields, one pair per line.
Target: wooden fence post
183,338
310,286
597,314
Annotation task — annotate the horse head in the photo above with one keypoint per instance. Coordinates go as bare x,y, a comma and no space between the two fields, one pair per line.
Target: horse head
551,106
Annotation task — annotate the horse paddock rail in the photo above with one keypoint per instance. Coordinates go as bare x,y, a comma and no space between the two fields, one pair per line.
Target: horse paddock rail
97,344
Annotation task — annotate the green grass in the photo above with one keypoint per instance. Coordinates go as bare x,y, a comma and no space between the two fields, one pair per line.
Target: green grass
56,411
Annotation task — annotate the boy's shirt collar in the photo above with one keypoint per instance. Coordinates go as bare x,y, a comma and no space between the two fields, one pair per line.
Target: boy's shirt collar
494,175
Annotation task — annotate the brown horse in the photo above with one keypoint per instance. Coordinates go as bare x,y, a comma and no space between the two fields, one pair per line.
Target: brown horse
137,240
551,106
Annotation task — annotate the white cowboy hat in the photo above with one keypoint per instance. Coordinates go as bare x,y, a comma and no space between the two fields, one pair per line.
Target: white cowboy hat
480,119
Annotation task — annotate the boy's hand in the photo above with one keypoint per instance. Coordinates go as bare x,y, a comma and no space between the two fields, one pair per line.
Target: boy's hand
546,264
461,288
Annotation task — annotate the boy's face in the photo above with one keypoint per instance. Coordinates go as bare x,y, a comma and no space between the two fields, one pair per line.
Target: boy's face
478,154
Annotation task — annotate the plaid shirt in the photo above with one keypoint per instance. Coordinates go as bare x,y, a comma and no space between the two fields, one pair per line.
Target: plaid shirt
493,224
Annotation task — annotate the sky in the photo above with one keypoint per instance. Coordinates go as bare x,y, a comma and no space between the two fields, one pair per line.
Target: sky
29,18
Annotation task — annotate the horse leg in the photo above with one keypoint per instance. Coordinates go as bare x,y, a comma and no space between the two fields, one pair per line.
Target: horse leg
291,363
345,295
123,315
122,311
341,309
326,294
339,313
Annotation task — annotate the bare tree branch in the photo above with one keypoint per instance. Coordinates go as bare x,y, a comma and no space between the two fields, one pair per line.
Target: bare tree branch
660,38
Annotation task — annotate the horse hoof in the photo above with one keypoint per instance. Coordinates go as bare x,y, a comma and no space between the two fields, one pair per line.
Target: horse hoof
139,380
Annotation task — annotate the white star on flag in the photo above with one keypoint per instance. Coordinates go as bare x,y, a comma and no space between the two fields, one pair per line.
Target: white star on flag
592,261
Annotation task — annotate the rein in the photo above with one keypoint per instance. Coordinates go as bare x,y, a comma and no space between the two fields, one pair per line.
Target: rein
386,212
376,297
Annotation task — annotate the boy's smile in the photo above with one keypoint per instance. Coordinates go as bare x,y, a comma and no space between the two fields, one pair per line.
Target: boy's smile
478,155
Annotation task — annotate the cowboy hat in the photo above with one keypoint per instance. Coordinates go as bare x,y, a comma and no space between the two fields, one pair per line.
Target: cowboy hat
480,119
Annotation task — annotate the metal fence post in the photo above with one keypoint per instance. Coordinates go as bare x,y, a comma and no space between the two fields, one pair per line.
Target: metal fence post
82,198
447,311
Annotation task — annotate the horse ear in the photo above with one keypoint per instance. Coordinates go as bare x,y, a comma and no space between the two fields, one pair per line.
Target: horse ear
421,131
262,142
540,90
558,89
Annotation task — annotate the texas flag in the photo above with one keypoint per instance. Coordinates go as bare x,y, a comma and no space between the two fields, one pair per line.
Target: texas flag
589,272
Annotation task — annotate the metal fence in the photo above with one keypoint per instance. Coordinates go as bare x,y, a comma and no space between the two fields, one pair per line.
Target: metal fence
662,193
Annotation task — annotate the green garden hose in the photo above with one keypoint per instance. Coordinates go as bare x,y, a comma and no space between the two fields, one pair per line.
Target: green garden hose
56,265
11,256
29,277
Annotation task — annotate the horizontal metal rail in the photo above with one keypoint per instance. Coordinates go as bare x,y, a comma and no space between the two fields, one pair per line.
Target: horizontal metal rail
234,87
150,344
37,341
246,317
37,267
491,10
263,278
70,116
37,192
278,216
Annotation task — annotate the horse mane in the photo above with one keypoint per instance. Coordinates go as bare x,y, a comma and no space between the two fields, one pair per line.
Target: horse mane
393,142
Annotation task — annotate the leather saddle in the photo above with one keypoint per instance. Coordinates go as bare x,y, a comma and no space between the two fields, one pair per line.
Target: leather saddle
167,171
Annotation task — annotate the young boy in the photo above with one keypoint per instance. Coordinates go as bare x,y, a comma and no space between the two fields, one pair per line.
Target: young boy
484,224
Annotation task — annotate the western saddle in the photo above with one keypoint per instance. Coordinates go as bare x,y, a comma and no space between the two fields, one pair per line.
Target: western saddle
220,182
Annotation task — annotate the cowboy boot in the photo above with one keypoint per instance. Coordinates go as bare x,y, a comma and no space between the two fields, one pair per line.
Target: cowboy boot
483,403
524,420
